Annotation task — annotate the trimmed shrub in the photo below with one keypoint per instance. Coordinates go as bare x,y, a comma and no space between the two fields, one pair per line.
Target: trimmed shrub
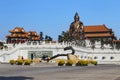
12,62
57,60
69,63
61,62
37,60
94,62
82,63
86,62
27,62
19,62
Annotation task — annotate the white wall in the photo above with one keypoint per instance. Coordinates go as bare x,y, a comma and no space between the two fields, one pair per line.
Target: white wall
82,52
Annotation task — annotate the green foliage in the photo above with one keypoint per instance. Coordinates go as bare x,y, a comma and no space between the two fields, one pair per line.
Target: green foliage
61,62
1,44
19,62
69,63
117,45
93,62
27,62
82,63
48,38
12,62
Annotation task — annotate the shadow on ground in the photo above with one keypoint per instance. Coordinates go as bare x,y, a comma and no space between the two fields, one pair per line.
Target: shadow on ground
117,78
15,78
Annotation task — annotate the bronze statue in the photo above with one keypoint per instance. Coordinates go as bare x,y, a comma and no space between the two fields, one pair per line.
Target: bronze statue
76,28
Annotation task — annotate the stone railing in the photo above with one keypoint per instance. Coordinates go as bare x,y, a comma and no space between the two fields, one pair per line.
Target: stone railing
12,47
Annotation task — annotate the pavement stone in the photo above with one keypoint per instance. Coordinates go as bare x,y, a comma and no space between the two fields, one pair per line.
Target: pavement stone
50,71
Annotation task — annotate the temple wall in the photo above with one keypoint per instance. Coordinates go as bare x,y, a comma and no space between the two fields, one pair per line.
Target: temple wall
103,56
106,58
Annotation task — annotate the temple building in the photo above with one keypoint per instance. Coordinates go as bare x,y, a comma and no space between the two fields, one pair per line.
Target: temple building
98,31
92,42
33,36
78,31
19,35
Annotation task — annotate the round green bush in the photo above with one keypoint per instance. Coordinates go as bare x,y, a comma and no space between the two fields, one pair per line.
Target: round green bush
12,62
82,63
79,63
61,62
27,62
19,62
94,62
69,63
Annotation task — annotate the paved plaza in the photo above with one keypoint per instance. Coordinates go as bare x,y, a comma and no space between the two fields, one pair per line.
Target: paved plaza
47,71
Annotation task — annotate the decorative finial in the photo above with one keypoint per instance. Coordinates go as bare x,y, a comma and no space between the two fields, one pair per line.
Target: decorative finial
76,14
76,17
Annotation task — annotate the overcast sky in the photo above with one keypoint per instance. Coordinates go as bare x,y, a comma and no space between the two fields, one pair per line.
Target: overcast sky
54,16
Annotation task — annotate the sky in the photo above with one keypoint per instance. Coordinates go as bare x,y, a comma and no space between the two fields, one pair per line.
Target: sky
54,16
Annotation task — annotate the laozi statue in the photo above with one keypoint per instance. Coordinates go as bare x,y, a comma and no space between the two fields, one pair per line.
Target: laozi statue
76,28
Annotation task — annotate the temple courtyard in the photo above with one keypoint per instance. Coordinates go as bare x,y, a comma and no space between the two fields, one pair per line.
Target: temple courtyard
50,71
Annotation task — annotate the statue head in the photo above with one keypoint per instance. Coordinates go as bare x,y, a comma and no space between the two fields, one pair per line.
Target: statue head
76,17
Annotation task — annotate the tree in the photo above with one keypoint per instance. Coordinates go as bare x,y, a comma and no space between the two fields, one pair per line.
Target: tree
1,43
30,39
117,45
102,43
48,38
60,38
93,44
63,33
41,36
64,37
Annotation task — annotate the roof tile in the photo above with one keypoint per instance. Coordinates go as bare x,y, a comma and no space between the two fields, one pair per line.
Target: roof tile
96,28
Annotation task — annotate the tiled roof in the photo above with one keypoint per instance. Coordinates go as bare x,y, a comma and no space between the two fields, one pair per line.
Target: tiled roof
96,28
98,35
18,35
22,33
19,32
33,33
35,38
17,29
115,41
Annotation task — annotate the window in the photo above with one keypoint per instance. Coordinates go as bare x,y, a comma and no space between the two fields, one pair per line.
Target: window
111,57
95,57
103,57
85,57
81,56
